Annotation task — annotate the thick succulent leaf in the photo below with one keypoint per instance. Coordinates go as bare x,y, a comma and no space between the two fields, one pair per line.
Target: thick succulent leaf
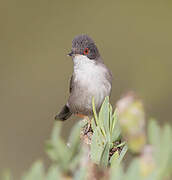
101,123
56,132
62,149
133,172
114,120
104,117
123,152
6,175
53,173
153,176
74,140
166,148
74,137
154,138
116,131
56,147
110,117
116,172
94,111
50,150
81,174
154,132
93,124
36,172
169,168
115,158
75,161
97,145
105,156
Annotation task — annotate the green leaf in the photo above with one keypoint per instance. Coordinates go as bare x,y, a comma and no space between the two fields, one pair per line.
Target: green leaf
153,132
123,152
105,156
50,150
81,174
165,150
75,161
62,149
110,118
56,132
116,131
153,176
114,120
53,173
6,175
154,137
94,111
116,172
36,172
133,172
104,117
115,158
97,145
93,124
74,140
57,147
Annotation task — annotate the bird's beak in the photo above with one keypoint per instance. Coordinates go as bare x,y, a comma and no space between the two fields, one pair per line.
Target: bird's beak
71,53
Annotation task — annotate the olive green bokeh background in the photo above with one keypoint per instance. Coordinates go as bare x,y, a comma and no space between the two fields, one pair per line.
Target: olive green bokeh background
134,39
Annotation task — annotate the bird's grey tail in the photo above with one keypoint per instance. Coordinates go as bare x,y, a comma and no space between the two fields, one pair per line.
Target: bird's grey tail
64,114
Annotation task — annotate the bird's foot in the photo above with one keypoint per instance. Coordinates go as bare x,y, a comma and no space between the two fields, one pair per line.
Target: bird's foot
86,132
88,125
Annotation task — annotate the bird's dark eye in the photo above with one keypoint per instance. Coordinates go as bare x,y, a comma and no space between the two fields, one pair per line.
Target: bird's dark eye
86,51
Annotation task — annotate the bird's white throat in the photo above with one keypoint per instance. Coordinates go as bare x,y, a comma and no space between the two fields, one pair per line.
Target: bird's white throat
86,69
82,62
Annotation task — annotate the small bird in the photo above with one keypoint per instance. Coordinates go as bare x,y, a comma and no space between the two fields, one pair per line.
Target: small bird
90,78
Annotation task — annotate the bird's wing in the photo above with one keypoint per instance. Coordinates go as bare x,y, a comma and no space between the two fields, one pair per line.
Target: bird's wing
108,75
71,84
65,113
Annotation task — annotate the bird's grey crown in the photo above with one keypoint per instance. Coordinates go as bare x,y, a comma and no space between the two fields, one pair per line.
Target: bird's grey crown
81,42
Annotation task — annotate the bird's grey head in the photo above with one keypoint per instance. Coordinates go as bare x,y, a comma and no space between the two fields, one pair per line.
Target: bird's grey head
84,45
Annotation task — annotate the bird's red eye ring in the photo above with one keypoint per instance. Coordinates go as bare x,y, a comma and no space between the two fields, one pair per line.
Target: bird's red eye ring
86,51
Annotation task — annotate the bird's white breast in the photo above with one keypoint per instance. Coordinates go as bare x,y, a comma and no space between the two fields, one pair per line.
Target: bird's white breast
91,76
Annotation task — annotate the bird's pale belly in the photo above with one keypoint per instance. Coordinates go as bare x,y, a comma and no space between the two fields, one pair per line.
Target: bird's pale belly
80,100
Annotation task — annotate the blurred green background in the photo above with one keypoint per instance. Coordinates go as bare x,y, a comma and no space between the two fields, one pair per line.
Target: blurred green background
134,39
